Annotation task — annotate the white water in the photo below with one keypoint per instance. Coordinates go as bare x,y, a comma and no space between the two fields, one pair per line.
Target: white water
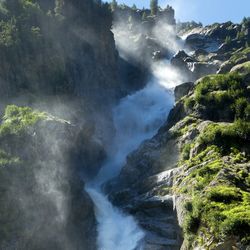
136,118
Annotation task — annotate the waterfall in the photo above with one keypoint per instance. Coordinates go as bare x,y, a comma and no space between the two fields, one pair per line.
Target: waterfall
136,118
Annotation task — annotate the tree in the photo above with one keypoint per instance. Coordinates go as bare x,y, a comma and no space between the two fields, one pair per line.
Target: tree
58,7
134,7
228,40
154,7
144,16
114,5
240,35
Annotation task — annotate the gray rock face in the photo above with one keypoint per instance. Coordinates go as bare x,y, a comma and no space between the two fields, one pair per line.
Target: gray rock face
209,38
44,192
192,68
73,58
142,189
200,41
182,90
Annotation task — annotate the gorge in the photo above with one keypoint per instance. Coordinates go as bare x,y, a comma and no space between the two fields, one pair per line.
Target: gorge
122,129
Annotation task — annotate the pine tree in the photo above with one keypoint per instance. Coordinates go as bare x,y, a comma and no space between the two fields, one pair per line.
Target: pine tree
144,16
58,7
114,5
228,40
134,7
154,7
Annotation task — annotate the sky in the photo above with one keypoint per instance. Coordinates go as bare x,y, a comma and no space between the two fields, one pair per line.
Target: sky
205,11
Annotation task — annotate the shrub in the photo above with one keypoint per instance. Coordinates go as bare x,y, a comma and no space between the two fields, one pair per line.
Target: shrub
226,135
224,194
7,160
17,119
185,154
240,107
8,33
228,40
191,224
237,223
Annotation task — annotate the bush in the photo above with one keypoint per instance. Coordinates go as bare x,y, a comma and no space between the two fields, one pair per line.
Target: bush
217,94
224,194
17,119
191,224
185,154
7,160
241,108
8,33
238,223
226,136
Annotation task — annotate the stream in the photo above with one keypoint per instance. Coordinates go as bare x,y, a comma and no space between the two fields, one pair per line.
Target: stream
136,118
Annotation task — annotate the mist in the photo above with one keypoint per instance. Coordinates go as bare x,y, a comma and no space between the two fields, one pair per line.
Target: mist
87,127
137,117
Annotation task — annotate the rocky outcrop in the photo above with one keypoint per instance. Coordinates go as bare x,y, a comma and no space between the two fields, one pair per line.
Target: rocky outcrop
67,52
191,67
187,172
211,37
45,205
182,90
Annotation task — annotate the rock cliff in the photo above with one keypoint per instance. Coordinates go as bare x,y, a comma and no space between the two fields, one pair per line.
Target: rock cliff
192,178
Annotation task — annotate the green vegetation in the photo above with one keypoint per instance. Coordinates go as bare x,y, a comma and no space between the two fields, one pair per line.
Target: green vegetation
154,7
8,33
16,119
7,160
218,206
222,96
217,187
185,153
241,55
228,40
226,136
114,5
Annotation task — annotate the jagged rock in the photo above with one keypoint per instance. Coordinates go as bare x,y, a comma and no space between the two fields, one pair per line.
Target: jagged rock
179,58
192,68
182,90
230,47
55,212
200,41
201,69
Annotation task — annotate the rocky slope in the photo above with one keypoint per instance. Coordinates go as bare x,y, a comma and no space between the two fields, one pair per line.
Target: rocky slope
41,162
58,57
63,49
192,179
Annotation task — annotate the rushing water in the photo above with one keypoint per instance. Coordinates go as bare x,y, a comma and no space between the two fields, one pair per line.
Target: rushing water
137,117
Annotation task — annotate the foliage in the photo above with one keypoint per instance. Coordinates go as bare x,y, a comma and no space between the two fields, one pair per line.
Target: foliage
240,35
16,119
7,160
154,6
8,33
240,55
185,153
221,92
114,5
226,136
228,40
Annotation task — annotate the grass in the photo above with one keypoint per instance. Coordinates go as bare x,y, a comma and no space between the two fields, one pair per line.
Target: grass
239,55
226,136
221,96
218,207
